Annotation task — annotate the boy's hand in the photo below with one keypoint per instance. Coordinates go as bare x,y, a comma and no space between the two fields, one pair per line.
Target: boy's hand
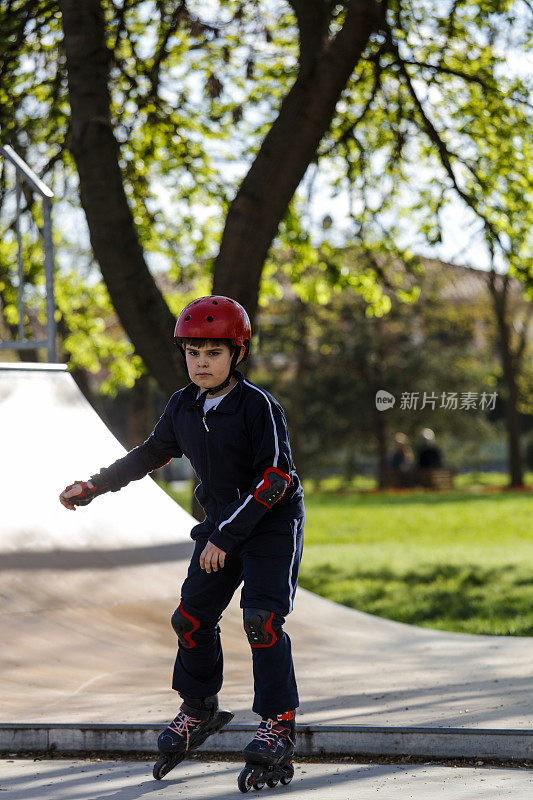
81,493
74,495
211,557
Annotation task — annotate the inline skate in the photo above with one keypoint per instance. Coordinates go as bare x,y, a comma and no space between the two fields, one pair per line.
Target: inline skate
197,719
269,754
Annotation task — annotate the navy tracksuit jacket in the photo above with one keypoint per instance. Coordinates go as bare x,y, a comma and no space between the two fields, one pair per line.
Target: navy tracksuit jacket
230,447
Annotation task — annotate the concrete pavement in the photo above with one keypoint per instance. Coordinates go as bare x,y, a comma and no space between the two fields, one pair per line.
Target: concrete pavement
196,780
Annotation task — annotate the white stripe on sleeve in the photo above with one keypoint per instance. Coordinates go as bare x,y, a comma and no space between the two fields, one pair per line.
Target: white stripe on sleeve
238,509
276,444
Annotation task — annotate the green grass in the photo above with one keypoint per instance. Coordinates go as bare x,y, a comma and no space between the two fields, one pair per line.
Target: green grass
458,561
183,497
453,561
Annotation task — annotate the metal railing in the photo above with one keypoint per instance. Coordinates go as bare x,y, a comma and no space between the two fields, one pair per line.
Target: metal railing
24,173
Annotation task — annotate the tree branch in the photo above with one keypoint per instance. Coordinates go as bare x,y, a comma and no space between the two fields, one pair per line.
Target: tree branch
523,333
465,76
286,152
162,52
444,154
349,130
313,18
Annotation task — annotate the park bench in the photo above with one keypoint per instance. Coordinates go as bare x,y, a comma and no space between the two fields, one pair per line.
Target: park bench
430,478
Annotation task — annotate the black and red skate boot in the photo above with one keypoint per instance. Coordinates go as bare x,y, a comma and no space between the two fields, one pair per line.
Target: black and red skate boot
197,719
269,755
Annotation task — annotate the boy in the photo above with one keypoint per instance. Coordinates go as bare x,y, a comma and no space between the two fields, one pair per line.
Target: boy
235,435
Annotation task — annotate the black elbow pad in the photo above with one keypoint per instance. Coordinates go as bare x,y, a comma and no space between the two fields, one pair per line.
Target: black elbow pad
273,486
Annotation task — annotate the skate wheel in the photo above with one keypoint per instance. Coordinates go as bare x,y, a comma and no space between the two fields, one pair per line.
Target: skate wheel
161,767
288,774
258,785
272,782
244,781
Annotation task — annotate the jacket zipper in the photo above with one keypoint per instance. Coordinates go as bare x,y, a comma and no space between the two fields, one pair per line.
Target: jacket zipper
206,449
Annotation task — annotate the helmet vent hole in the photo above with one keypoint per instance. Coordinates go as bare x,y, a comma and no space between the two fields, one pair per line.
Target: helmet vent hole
215,302
187,318
209,319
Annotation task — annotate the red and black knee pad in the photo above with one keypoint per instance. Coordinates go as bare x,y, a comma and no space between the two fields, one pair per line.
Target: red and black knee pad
185,626
261,627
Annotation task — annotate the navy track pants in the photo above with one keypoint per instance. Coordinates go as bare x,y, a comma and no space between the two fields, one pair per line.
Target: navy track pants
268,564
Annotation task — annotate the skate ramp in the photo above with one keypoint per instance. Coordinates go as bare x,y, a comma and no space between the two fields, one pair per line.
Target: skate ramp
87,598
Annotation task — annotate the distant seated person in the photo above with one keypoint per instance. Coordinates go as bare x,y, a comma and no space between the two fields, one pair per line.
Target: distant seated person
429,456
402,458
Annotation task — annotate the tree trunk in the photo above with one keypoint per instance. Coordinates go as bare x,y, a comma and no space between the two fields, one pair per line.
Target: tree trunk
375,366
285,154
510,367
142,309
140,413
512,416
350,464
380,432
295,391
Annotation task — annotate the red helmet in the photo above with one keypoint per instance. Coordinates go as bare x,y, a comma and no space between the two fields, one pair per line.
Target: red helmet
214,317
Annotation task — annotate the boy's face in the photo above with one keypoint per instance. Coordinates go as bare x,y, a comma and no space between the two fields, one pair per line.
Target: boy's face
208,365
